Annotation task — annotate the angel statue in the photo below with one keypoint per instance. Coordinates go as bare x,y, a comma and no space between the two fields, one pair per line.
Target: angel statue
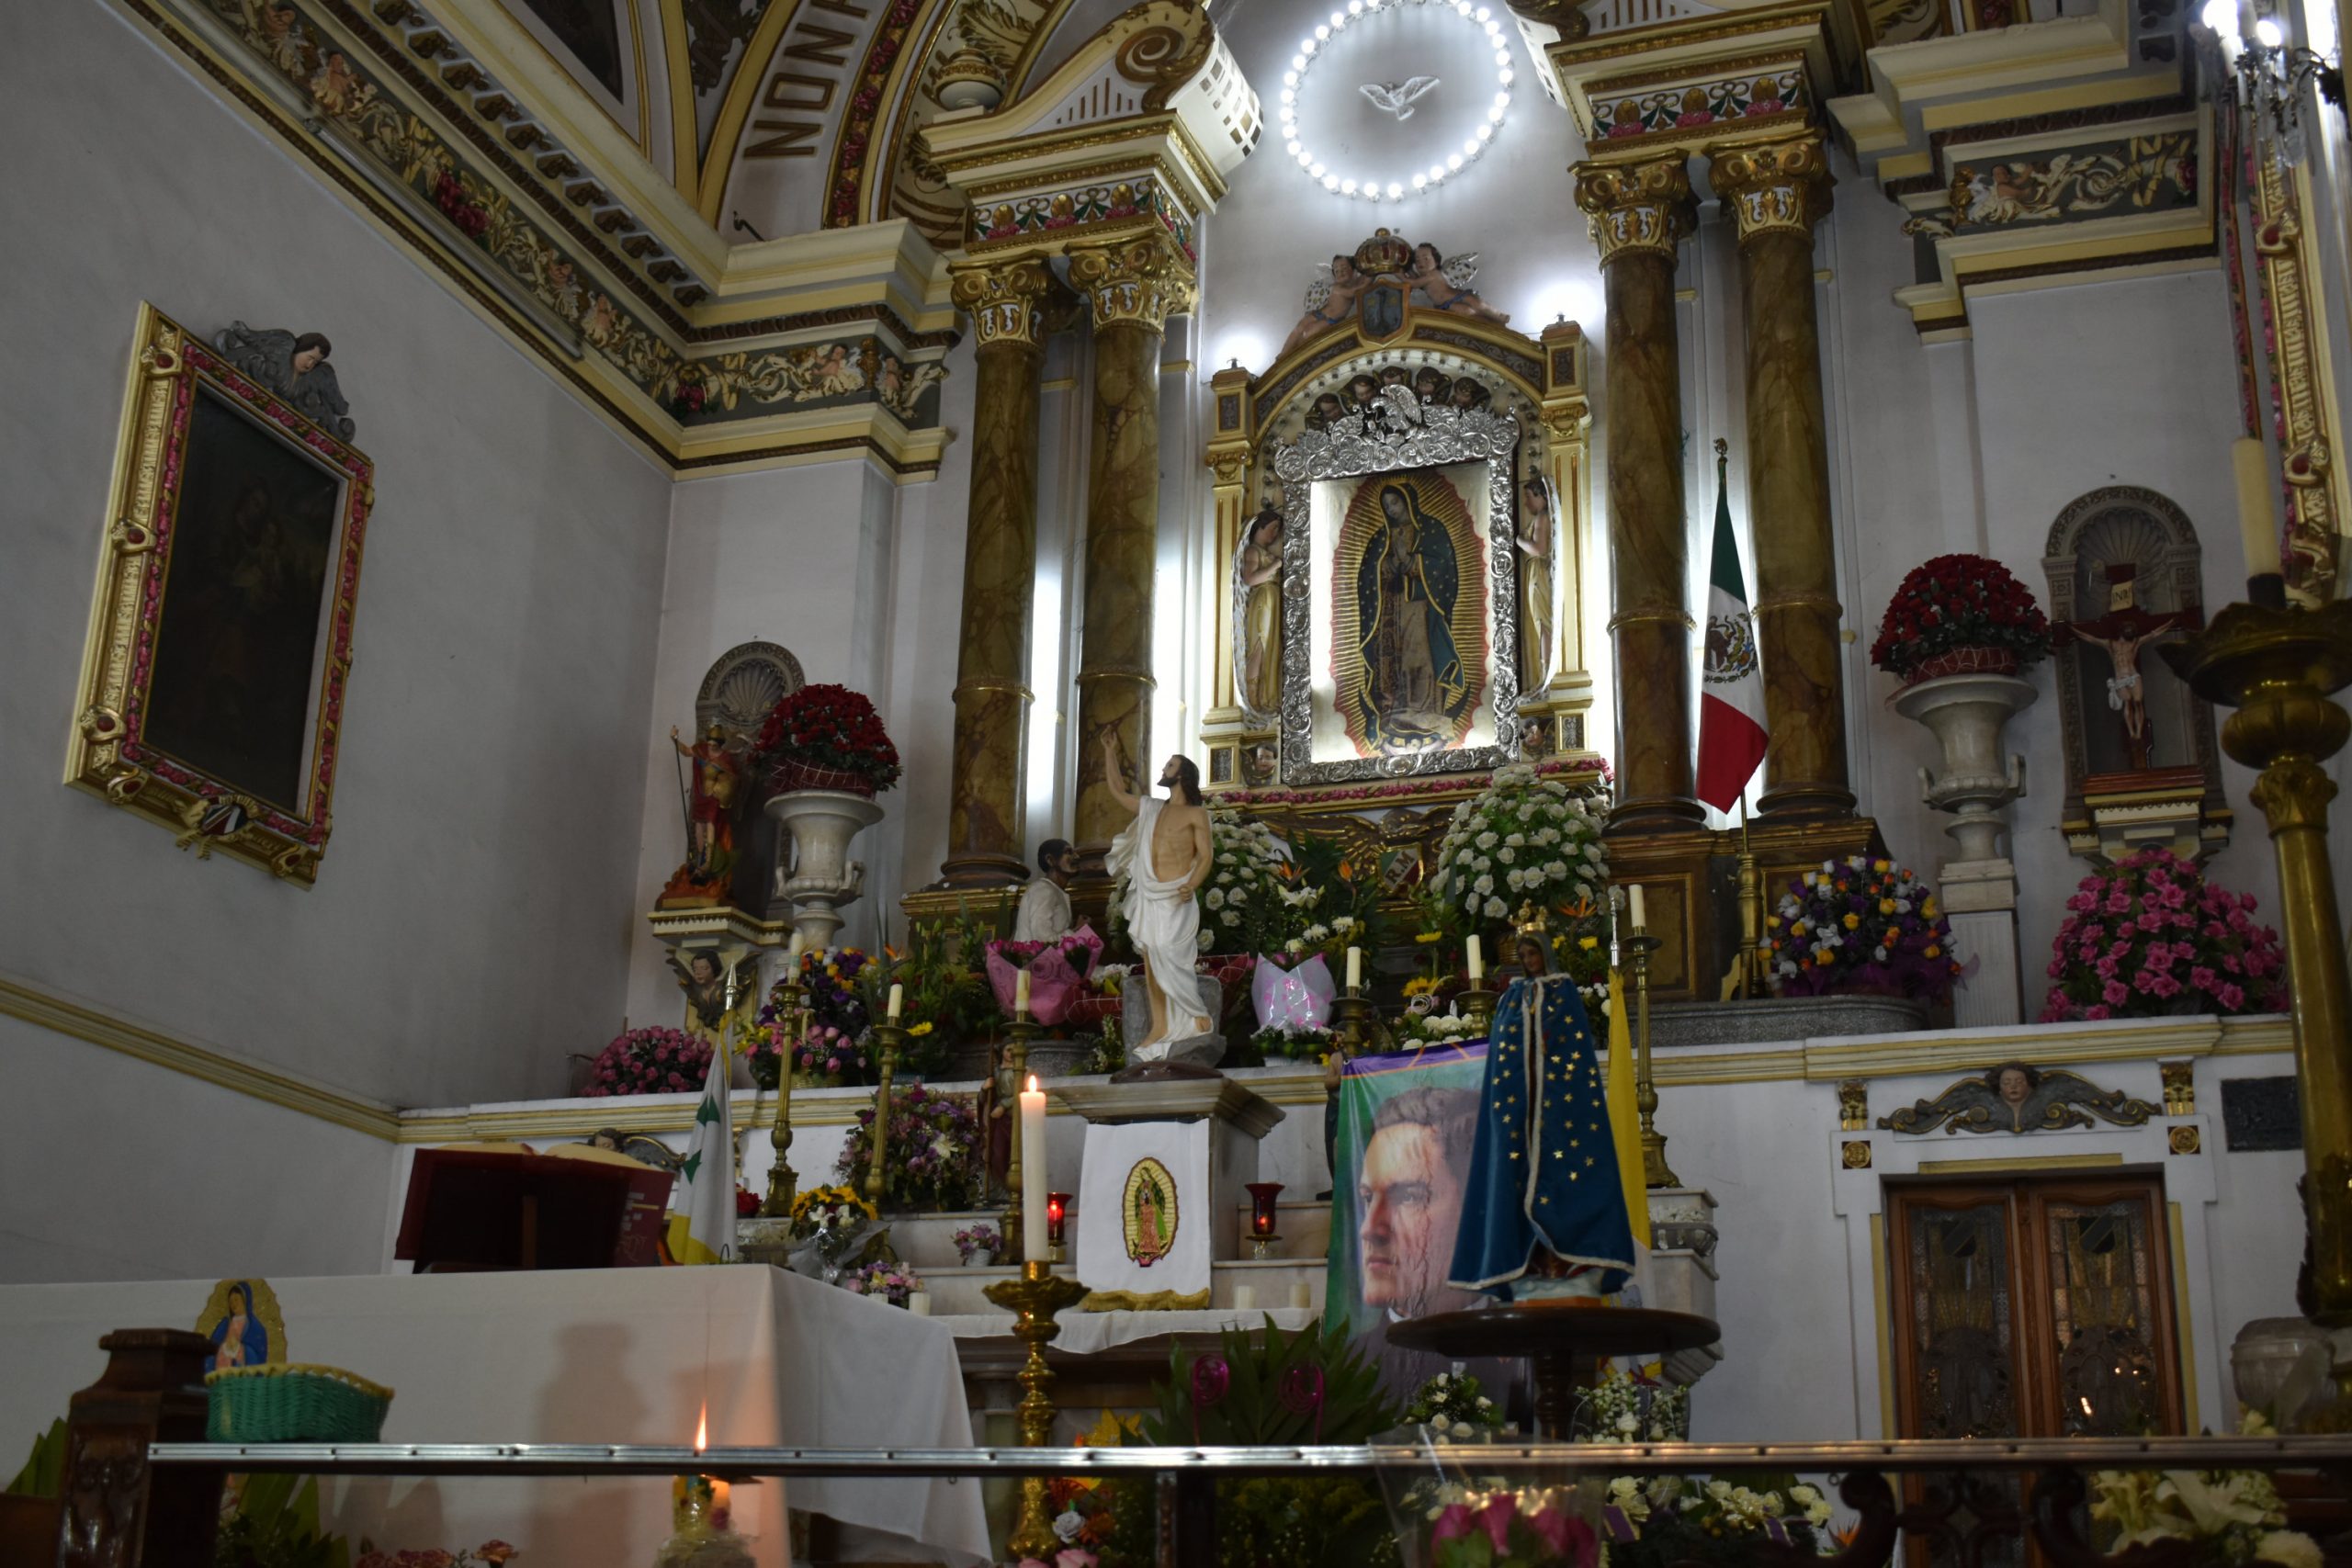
1329,300
1447,284
1395,98
294,366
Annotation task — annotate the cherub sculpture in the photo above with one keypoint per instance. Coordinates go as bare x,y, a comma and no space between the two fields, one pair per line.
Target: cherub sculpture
294,366
1446,284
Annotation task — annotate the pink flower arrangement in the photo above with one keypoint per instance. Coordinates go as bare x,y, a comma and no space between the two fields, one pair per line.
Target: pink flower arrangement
489,1553
1498,1532
649,1061
893,1282
2149,936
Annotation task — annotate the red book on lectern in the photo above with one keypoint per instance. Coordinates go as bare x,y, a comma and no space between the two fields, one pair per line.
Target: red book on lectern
492,1209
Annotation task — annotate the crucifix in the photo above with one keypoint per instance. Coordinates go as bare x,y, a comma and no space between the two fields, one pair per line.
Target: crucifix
2121,633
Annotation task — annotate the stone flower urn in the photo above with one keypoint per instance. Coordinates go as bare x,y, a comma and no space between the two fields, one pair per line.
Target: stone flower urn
823,877
1979,887
1967,714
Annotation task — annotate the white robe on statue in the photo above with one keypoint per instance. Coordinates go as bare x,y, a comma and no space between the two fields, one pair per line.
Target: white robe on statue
1043,914
1164,923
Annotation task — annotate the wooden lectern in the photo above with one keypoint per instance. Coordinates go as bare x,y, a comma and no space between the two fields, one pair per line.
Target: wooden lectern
487,1209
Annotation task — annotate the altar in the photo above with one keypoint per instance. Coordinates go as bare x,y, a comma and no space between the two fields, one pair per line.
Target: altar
584,1355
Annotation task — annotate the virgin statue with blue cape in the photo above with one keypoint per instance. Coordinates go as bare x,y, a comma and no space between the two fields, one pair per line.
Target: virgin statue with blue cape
1543,1213
1411,685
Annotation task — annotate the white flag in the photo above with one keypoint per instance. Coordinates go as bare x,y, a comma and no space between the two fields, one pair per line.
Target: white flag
702,1230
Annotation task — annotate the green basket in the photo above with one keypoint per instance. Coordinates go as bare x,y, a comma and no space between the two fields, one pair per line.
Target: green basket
291,1402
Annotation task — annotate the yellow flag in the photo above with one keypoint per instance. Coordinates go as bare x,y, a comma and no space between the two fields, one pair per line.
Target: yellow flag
1625,1117
703,1230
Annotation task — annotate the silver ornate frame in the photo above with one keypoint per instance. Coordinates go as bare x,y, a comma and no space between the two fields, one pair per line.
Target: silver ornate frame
1397,437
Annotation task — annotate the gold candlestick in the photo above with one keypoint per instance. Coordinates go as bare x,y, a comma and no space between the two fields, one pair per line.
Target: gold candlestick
890,1036
1656,1172
1354,1013
1019,1033
782,1184
1479,1003
2279,668
1036,1296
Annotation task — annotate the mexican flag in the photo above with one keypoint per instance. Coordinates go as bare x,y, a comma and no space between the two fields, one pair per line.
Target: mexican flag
703,1228
1731,690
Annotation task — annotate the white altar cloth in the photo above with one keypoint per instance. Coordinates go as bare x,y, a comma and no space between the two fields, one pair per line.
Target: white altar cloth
1084,1333
593,1356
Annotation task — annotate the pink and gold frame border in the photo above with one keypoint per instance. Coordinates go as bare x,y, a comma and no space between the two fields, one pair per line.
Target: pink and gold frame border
109,754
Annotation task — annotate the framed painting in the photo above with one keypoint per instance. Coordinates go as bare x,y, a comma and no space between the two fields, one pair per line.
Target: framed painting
1400,617
220,644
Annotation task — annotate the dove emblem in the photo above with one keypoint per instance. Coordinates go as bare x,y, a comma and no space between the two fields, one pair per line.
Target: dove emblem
1396,98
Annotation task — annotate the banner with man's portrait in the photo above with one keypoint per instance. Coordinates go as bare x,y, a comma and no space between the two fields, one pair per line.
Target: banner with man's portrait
1399,1164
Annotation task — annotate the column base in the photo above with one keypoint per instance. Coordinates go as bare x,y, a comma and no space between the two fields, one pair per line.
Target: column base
1805,802
981,869
1663,814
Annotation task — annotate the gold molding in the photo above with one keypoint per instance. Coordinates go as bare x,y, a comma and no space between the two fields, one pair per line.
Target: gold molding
1884,1311
716,166
1999,1165
2182,1329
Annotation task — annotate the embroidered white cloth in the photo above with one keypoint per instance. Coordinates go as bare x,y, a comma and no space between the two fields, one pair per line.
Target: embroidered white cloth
1164,923
1144,1214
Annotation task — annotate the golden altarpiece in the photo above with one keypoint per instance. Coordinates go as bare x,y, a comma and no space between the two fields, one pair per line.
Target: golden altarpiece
1409,458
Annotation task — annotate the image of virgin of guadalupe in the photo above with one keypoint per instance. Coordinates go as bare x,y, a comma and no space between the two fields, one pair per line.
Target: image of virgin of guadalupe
239,1338
1412,684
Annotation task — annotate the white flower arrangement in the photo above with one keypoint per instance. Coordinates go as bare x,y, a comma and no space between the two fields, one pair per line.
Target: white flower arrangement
1546,835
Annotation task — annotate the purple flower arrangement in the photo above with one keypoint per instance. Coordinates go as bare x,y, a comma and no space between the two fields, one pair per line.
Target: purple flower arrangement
649,1061
1860,925
836,1045
931,1161
2149,936
891,1281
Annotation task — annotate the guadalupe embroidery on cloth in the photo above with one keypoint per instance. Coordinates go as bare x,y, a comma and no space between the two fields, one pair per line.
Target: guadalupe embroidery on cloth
1148,1213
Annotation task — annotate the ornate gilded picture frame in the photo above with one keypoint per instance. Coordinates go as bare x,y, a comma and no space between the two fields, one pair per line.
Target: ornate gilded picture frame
220,642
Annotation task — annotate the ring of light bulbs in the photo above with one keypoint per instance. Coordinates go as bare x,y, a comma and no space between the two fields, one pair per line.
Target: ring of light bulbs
1371,188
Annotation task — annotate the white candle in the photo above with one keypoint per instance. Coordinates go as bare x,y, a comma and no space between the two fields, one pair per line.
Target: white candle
1245,1298
1021,992
1355,968
1302,1295
919,1303
1478,962
2258,519
1033,1172
793,949
898,996
1641,921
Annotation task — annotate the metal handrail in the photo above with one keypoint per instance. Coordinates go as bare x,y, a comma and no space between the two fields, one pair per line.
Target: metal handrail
1904,1455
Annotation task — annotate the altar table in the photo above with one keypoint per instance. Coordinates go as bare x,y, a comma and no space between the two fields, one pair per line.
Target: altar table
584,1355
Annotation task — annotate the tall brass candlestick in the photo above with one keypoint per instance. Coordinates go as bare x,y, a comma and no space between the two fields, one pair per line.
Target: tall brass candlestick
1036,1296
1019,1032
782,1184
890,1036
1478,1005
1354,1011
2279,668
1656,1172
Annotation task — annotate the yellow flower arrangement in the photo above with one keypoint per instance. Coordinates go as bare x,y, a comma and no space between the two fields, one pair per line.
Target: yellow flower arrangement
919,1031
1426,938
1421,985
1853,922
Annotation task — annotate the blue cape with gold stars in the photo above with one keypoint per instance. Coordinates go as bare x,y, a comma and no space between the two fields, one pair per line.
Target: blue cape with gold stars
1543,1169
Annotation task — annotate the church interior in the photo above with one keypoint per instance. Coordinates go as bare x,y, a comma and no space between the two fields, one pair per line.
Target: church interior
1312,738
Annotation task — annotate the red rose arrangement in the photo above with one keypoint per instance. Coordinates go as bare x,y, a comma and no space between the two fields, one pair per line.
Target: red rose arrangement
1860,925
2150,937
649,1061
827,738
1956,603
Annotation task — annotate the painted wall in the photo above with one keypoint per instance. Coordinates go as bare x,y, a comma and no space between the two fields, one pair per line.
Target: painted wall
115,1169
469,922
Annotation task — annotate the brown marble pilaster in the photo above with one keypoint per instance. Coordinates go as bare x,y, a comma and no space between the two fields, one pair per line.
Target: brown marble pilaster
1132,286
1639,214
1776,191
992,696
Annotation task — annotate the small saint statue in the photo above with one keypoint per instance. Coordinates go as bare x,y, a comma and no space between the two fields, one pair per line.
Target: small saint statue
1044,913
709,796
1257,584
2121,633
1543,1213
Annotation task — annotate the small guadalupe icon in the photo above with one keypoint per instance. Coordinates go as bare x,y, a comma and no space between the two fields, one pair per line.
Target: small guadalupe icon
1148,1213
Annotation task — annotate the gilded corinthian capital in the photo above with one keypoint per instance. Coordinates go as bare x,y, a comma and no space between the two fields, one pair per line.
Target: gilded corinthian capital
1137,281
1004,299
1773,188
1636,208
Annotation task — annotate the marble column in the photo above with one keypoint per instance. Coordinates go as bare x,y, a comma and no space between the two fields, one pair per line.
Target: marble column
1639,214
984,791
1776,192
1132,286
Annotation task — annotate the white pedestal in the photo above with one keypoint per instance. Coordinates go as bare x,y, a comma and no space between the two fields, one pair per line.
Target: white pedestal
1193,1142
823,877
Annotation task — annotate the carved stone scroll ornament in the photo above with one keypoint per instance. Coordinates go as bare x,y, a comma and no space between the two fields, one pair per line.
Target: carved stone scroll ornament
1386,434
2014,1097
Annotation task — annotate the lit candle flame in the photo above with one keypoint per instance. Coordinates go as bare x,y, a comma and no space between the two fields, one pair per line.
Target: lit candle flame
1033,1083
702,1430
